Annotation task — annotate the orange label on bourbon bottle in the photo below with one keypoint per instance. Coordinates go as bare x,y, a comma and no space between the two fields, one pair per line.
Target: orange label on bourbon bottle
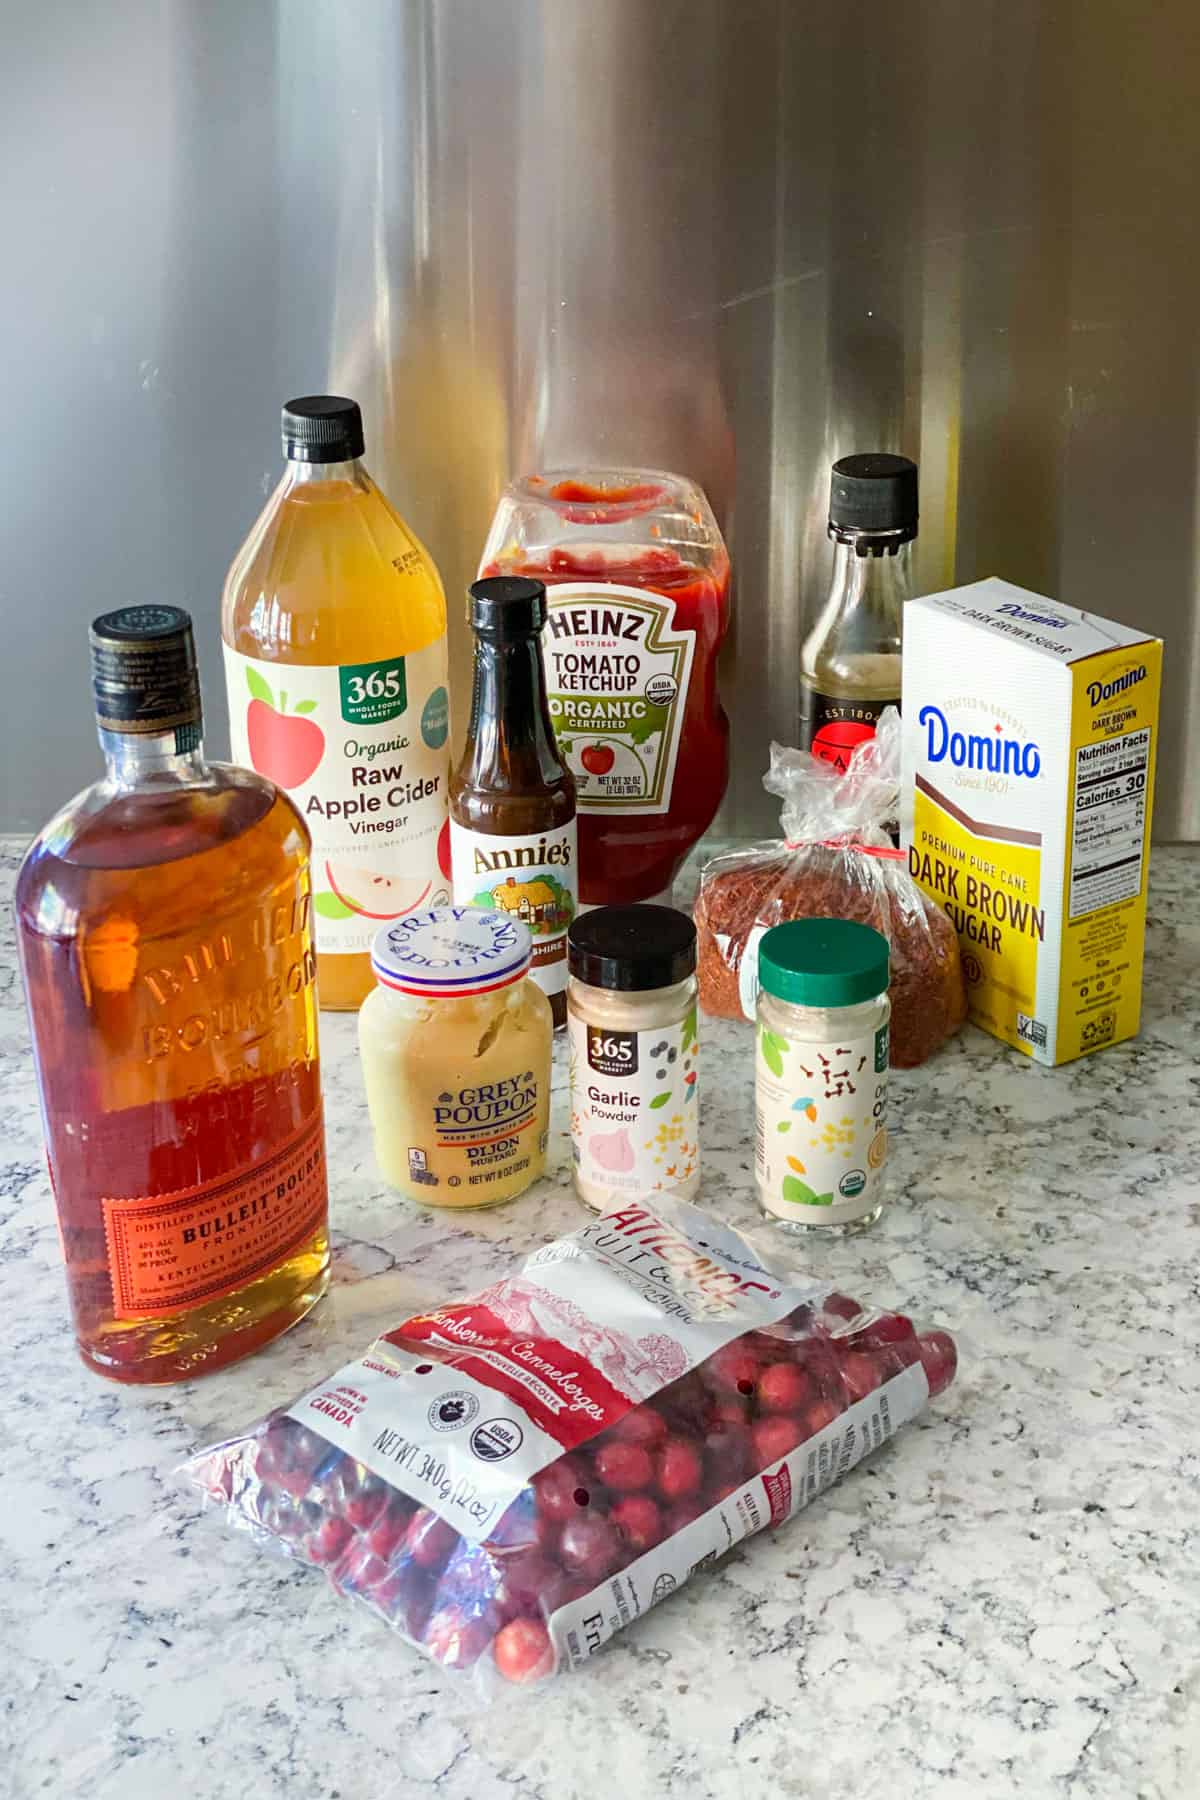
170,1252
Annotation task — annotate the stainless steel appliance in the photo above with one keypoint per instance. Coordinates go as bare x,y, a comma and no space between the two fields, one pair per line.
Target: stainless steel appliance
737,238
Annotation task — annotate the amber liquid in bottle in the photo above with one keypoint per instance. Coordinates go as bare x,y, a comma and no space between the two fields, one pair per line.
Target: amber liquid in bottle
165,937
512,796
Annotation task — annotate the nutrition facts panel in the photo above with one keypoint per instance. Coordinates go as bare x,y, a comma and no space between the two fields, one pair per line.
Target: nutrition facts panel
1108,825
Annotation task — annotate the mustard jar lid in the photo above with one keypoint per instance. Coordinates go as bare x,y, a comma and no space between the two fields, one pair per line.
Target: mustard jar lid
450,951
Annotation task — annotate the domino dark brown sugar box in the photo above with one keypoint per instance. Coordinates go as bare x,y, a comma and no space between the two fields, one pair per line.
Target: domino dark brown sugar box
1030,732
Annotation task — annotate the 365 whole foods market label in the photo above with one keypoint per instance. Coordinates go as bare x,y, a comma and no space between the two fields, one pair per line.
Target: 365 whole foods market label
593,1325
362,750
617,670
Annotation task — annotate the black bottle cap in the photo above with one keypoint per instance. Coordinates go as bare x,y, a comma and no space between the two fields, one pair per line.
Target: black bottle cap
875,492
632,948
144,675
507,606
322,428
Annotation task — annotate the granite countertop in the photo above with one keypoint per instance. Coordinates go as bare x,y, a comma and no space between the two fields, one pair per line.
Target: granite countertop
1003,1601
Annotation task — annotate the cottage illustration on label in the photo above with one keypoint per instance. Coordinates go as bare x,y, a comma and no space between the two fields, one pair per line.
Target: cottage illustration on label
543,904
530,877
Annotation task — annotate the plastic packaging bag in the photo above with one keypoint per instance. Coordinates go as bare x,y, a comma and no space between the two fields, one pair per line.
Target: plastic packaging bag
836,860
507,1482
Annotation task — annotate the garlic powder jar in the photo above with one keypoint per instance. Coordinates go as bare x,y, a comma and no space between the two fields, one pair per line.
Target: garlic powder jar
455,1042
631,1022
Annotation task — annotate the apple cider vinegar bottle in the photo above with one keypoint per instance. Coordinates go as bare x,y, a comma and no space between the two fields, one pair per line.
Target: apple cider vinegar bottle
334,626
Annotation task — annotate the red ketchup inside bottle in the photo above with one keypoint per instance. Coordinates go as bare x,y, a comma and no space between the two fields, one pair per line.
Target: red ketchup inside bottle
633,683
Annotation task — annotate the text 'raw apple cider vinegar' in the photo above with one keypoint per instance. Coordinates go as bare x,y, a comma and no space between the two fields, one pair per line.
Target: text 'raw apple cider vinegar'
334,624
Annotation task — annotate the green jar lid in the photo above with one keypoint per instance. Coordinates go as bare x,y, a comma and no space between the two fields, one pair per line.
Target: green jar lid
823,962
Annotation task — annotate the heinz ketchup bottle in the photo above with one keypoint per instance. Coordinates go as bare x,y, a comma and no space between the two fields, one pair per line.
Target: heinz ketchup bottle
637,575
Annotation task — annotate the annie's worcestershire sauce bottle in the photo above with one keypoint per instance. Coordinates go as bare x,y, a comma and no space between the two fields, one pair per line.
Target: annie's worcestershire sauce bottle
512,797
850,662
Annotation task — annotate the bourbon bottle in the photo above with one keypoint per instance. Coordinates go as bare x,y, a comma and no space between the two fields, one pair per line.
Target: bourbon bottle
164,927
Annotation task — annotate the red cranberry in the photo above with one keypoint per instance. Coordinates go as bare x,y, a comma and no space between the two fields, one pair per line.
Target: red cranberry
330,1541
840,1306
528,1582
890,1359
734,1367
389,1530
860,1373
729,1409
428,1539
457,1639
523,1651
361,1571
687,1399
679,1469
295,1482
784,1387
889,1328
642,1425
728,1451
405,1598
364,1506
624,1467
639,1522
589,1546
561,1490
774,1437
820,1414
939,1358
683,1513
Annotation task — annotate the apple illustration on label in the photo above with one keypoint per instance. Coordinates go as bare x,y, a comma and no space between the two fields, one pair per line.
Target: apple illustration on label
443,851
375,896
285,747
598,759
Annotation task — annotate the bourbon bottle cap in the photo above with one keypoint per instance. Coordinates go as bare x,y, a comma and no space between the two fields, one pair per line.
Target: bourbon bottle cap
144,675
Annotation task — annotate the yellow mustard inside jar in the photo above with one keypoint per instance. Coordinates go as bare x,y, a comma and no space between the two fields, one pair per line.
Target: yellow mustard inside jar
455,1041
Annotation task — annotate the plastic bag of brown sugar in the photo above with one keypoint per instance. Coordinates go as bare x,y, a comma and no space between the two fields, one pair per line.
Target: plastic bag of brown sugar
834,861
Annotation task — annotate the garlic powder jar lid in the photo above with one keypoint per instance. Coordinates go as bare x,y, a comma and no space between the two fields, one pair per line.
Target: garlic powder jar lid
631,949
451,951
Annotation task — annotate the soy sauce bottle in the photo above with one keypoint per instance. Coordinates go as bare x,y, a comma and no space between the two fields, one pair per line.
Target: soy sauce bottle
512,797
850,661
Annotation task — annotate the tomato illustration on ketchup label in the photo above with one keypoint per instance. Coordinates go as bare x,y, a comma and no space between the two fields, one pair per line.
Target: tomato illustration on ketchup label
285,747
598,759
361,749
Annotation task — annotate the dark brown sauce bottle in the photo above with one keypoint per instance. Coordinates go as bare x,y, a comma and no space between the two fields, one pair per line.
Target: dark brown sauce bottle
512,797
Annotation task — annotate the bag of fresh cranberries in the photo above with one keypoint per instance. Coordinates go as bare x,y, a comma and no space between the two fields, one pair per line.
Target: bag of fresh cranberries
510,1480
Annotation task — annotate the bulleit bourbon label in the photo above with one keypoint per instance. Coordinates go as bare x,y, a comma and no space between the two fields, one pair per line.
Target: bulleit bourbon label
170,1252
